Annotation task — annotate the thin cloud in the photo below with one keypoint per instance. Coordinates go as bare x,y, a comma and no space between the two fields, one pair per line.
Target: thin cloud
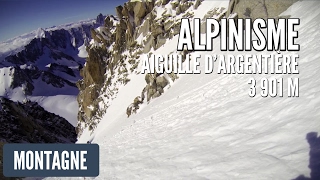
71,17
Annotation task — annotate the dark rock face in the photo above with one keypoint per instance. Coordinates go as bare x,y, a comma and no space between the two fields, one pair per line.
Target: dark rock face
51,59
118,50
31,53
119,11
29,123
21,77
93,79
100,19
101,61
58,43
62,68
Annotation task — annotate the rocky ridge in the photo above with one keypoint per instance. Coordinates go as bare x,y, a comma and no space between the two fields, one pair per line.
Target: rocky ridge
48,65
27,122
140,28
115,50
50,59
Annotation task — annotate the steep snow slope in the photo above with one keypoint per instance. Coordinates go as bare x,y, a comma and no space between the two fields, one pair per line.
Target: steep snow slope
207,127
5,80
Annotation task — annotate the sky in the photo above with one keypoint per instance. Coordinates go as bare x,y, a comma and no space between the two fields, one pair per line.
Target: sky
22,16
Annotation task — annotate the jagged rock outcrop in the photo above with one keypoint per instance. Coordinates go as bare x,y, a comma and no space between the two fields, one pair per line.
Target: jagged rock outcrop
134,106
93,79
119,11
137,29
197,4
102,65
100,19
139,12
29,122
164,2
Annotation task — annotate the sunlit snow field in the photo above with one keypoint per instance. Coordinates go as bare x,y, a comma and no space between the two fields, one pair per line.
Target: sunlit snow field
207,127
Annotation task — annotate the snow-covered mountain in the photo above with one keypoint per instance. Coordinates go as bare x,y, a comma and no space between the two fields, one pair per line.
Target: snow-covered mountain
38,73
205,126
183,126
43,66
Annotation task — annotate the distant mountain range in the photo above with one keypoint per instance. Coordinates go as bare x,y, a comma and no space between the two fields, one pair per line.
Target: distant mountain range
38,75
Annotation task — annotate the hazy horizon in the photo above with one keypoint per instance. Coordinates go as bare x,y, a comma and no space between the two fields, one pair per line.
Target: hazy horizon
18,17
